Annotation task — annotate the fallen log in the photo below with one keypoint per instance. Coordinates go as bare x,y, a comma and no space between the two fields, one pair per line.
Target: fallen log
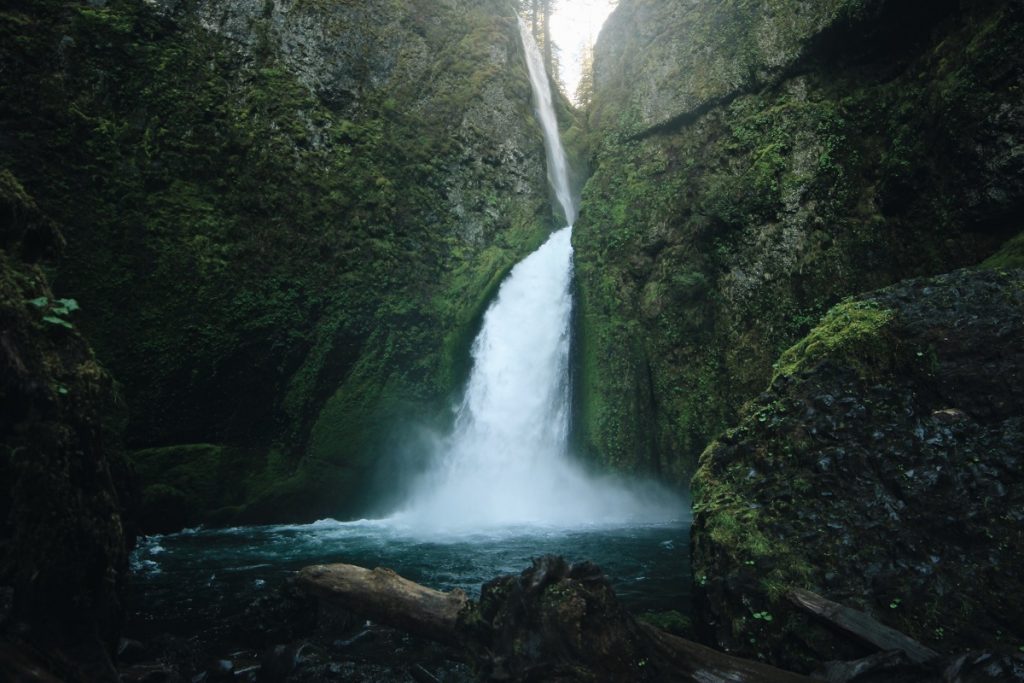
385,597
861,626
553,622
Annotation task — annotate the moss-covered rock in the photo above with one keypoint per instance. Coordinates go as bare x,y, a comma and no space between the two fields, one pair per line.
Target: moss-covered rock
64,485
283,218
883,469
1011,255
879,141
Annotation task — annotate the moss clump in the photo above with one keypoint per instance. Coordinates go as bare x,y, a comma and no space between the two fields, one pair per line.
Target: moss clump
854,332
669,621
192,484
1011,255
737,523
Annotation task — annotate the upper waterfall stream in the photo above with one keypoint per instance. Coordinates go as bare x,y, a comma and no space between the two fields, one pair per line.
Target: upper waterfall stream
507,460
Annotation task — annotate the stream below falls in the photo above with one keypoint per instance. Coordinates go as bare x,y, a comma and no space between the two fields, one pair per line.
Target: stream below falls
195,582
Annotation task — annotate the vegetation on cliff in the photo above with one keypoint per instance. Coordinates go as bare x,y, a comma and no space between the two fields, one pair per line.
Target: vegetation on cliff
851,150
283,220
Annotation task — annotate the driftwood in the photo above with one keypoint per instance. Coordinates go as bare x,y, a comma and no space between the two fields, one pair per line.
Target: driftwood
861,626
698,662
385,597
554,622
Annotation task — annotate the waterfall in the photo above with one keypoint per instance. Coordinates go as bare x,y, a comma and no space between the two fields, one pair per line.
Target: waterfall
507,459
544,109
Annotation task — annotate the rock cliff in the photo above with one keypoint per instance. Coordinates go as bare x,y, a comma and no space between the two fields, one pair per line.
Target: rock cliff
283,221
754,163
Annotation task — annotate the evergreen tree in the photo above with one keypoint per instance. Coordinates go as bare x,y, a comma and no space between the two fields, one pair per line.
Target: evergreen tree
585,88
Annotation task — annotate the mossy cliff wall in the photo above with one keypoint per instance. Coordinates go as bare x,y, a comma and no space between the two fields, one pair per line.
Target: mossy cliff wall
755,162
64,483
282,218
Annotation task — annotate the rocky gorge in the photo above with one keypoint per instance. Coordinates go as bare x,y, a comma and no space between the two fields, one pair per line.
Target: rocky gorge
242,242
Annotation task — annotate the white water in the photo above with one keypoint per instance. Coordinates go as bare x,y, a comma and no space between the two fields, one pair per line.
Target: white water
507,462
544,109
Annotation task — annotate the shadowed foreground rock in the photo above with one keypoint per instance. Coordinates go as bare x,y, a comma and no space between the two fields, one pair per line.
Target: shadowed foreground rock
64,486
553,622
561,622
883,470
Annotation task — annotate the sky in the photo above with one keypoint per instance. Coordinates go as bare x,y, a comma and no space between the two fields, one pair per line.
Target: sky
575,24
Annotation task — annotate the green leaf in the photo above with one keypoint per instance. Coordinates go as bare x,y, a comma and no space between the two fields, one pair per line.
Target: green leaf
69,304
40,302
62,390
54,320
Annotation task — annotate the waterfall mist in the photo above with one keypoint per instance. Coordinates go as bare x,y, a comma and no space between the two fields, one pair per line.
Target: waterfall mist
507,461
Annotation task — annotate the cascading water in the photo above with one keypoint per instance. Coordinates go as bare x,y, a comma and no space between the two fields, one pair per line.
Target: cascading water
544,109
503,490
507,461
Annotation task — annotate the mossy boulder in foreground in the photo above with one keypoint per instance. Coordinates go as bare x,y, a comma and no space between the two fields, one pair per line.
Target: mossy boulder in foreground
884,469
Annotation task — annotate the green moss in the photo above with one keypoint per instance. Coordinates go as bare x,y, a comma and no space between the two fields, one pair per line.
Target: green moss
854,333
736,526
192,481
1011,255
669,621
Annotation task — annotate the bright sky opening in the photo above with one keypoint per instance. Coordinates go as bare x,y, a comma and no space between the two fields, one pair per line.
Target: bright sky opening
574,26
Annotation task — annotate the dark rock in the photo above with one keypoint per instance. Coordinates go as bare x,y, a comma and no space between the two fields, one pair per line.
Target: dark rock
131,651
916,524
221,670
64,485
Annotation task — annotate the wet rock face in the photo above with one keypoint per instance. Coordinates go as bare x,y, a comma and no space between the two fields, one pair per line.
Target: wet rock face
856,145
678,57
285,222
884,468
64,485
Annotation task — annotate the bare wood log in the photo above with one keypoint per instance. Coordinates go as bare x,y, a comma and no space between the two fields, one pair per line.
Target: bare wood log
861,625
701,663
384,596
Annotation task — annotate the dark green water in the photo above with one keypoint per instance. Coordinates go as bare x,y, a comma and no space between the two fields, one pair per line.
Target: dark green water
189,582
